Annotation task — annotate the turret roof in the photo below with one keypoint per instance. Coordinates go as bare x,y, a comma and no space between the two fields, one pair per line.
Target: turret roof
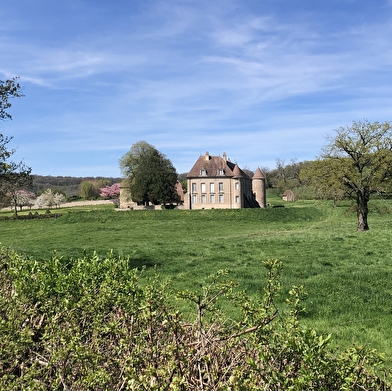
258,174
237,172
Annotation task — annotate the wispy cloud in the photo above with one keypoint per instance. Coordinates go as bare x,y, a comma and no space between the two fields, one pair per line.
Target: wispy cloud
259,80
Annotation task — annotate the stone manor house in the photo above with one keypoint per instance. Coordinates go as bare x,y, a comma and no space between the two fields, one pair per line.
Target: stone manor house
214,182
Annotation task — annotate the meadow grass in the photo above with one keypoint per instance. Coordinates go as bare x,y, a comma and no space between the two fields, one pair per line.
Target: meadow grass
345,274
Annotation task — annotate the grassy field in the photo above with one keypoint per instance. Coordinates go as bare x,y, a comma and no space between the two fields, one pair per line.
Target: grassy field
346,274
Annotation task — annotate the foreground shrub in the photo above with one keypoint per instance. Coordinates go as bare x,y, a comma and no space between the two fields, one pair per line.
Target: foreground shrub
100,324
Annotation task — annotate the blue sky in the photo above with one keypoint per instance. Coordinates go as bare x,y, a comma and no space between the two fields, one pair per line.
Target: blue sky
259,79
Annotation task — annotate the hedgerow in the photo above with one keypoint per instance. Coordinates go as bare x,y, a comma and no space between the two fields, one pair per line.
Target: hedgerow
32,216
99,324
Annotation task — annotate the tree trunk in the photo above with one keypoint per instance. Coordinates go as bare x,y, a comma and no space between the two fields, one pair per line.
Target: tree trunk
362,213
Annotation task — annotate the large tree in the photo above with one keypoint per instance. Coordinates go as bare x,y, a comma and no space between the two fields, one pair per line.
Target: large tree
8,89
319,179
358,159
13,176
150,175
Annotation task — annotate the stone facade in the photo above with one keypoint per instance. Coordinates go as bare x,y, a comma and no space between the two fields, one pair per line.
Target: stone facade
215,182
125,197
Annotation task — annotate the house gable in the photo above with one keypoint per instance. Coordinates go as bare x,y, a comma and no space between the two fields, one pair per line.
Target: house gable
215,166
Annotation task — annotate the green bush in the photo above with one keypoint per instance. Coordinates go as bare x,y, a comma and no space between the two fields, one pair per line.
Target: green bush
31,216
98,324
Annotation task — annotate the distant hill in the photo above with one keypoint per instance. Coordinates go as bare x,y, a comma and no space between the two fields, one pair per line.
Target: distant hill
70,185
67,184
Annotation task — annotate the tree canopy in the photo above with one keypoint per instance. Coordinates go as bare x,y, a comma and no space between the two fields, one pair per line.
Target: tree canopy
91,189
110,192
8,89
150,175
358,161
13,176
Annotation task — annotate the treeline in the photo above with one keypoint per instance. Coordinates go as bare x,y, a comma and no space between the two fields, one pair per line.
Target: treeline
286,176
315,179
68,185
282,177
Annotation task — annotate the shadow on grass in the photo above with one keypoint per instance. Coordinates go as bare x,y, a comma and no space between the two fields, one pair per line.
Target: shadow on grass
134,261
143,261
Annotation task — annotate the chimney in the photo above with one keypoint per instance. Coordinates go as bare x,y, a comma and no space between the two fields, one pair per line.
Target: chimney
224,157
207,155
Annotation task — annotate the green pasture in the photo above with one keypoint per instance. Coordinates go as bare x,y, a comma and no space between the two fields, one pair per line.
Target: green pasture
347,275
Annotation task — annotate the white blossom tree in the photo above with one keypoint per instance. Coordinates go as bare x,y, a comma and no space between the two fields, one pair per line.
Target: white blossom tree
49,199
59,199
23,198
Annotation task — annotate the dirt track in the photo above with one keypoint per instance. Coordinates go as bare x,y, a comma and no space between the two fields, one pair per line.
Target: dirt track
81,203
68,204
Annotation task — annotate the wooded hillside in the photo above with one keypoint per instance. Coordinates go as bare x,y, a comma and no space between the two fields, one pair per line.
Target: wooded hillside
67,184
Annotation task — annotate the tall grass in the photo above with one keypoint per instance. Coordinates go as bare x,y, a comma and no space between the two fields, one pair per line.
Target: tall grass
346,274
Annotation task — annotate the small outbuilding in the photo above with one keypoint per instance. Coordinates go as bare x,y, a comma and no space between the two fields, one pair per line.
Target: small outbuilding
288,195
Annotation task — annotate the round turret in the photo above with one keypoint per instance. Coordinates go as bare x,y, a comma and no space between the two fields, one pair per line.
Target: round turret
258,188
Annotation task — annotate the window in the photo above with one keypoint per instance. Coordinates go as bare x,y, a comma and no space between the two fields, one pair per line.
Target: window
212,198
220,186
220,171
203,187
237,185
194,199
237,199
193,187
203,198
203,172
221,199
212,187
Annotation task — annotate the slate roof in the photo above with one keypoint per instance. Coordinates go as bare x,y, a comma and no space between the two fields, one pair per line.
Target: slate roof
180,191
212,164
258,174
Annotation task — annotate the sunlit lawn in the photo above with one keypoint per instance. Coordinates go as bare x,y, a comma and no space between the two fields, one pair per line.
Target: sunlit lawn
346,274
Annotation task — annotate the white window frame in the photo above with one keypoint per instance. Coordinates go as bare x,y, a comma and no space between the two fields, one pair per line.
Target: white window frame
220,186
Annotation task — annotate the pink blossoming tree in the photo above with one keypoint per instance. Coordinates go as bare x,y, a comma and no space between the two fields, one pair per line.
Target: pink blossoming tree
110,192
